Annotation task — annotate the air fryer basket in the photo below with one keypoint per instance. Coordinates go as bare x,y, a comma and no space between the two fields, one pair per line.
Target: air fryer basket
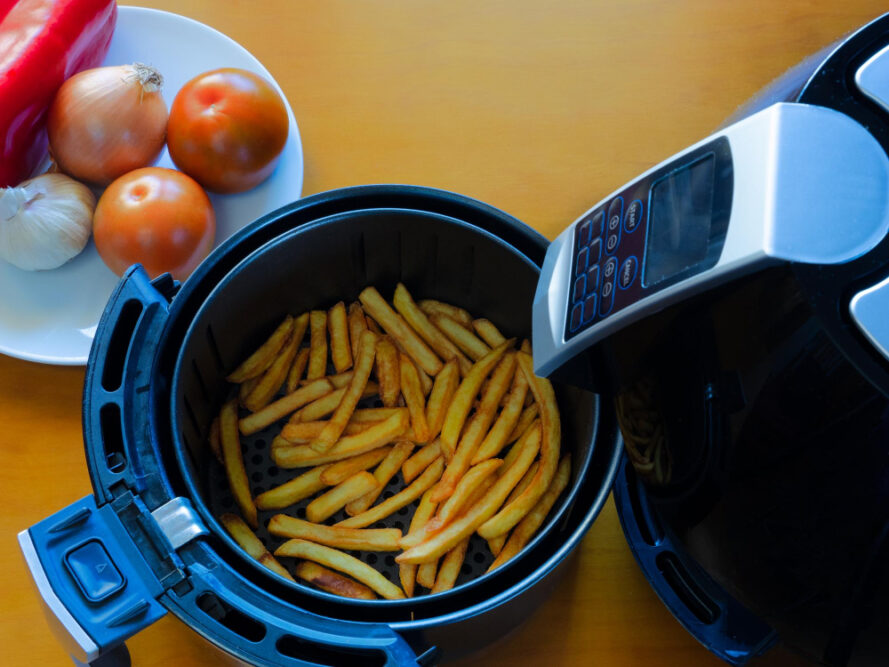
314,266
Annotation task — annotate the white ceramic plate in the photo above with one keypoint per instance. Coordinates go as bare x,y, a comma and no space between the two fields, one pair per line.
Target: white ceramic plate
51,316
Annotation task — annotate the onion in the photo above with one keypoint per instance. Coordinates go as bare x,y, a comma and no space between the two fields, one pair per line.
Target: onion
107,121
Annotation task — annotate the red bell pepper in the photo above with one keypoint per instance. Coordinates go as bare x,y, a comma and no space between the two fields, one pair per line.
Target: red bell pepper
42,43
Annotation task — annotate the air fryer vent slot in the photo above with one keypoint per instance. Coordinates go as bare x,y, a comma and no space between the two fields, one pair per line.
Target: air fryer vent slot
302,649
224,614
112,438
112,373
648,526
693,596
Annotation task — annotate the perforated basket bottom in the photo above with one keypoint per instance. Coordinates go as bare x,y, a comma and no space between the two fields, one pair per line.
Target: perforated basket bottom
264,475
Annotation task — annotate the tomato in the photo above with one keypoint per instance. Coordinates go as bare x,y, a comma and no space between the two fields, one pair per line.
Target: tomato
227,128
160,218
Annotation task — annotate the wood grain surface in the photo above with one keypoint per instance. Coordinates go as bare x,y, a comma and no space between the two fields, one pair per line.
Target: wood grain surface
539,108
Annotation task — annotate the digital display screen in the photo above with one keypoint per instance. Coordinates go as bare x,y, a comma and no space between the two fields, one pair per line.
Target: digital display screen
680,217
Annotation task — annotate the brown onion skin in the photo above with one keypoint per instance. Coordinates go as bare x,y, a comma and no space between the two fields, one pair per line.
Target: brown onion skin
90,130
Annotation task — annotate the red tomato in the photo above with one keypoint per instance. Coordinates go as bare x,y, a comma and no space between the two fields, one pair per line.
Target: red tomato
227,128
157,217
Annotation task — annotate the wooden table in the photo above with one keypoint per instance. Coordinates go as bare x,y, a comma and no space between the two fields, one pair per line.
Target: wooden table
539,108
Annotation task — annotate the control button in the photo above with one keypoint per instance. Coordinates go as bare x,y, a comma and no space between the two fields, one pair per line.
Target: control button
595,251
611,243
627,273
94,571
589,308
607,298
583,258
579,288
607,289
610,268
615,212
634,216
584,233
592,278
598,223
576,314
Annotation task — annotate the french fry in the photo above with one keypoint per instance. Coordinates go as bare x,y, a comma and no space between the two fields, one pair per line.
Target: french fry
342,470
296,370
338,380
340,348
388,372
414,398
395,326
420,461
425,381
450,567
254,547
302,433
387,469
382,433
273,378
337,560
416,318
214,440
355,539
332,582
477,427
427,548
436,523
506,422
328,403
529,414
317,345
464,397
515,450
474,347
526,528
255,365
551,439
246,387
373,326
425,509
234,461
352,394
488,332
328,504
465,488
357,324
364,415
284,406
440,397
404,497
433,307
289,493
495,544
426,573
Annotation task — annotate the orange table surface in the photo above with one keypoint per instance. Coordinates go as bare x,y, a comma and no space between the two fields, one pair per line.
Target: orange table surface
538,108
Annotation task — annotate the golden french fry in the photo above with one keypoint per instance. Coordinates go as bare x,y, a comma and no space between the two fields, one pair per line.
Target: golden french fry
433,307
526,528
338,380
382,433
425,381
364,415
450,567
550,444
526,348
317,345
257,362
436,545
440,397
340,348
420,461
465,395
529,414
465,488
355,539
426,573
495,544
273,378
477,427
414,398
234,461
506,422
328,403
248,541
474,347
352,395
395,326
373,326
488,332
341,562
302,433
332,582
342,470
388,372
328,504
298,488
214,440
284,406
515,450
246,387
387,469
425,509
296,370
404,497
416,318
357,324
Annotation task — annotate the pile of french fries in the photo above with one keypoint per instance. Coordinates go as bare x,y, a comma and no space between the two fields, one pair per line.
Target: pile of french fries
474,433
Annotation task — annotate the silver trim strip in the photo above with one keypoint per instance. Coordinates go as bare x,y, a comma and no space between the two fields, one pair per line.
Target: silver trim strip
872,78
179,522
870,311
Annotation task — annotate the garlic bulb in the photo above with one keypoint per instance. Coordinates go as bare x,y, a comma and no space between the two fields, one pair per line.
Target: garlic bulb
45,221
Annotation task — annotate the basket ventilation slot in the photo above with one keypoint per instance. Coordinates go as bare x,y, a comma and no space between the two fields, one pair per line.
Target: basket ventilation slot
682,583
115,358
226,615
323,654
112,438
